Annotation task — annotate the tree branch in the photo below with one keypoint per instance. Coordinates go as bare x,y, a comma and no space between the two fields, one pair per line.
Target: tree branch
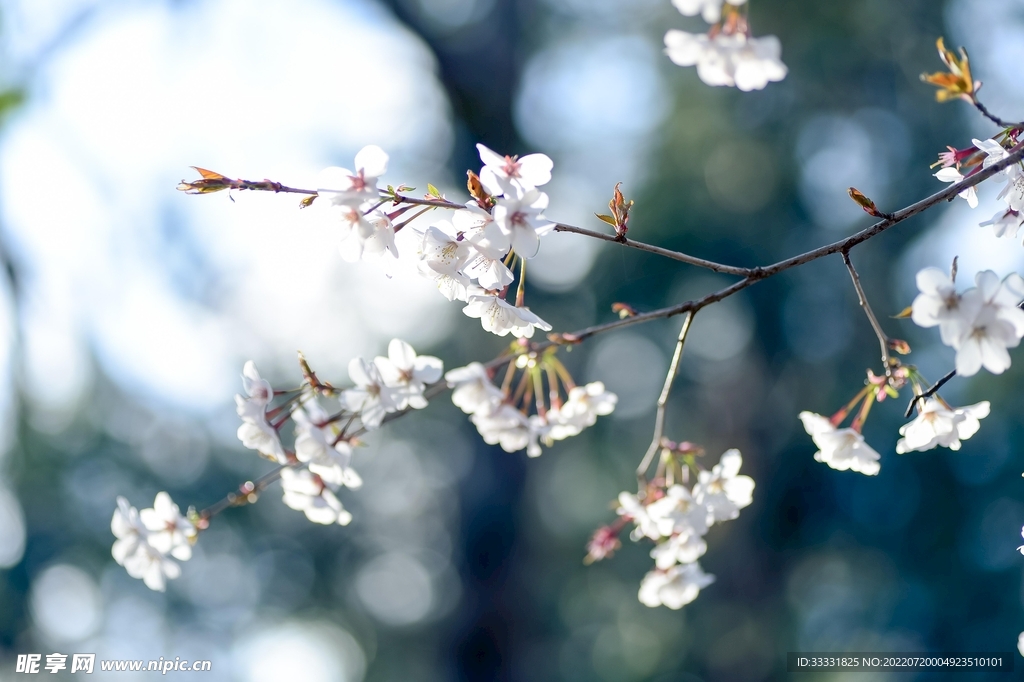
883,340
995,119
659,418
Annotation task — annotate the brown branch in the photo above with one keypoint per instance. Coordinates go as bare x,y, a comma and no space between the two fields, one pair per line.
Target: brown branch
691,307
659,417
929,393
883,340
992,117
657,250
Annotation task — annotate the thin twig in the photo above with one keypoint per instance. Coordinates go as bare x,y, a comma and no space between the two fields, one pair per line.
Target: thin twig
244,490
659,417
929,393
995,119
883,340
640,246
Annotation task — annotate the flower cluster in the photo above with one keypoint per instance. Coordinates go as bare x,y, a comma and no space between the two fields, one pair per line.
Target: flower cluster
980,324
353,199
937,423
960,163
841,449
727,54
147,540
323,441
503,416
471,256
677,517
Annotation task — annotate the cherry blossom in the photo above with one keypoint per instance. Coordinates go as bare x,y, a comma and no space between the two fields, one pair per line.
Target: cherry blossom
710,10
728,59
306,492
995,324
938,304
500,317
342,187
317,444
679,513
1013,192
584,405
473,391
722,490
505,426
507,174
371,398
169,531
255,432
674,588
442,251
520,218
365,234
841,449
1005,223
128,529
646,525
408,374
144,539
953,175
684,548
937,424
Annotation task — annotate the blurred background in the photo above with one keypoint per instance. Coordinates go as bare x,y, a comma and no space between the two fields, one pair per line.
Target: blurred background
127,310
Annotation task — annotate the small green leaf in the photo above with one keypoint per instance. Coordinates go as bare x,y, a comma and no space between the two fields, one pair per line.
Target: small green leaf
606,218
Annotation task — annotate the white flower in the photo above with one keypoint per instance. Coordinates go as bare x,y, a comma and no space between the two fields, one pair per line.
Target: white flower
951,174
256,433
681,549
307,492
520,218
1020,643
722,490
1021,548
128,529
258,389
1013,192
317,444
939,425
841,449
939,304
408,373
1005,223
581,409
646,526
473,391
500,317
678,513
539,432
365,235
506,174
674,588
731,60
169,531
505,426
995,323
490,273
442,251
342,187
710,10
133,548
371,397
